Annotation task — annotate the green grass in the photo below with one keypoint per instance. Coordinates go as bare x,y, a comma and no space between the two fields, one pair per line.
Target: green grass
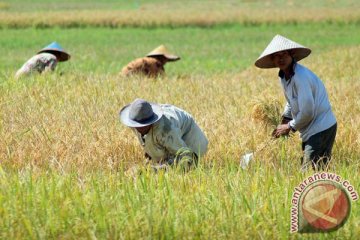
206,203
203,51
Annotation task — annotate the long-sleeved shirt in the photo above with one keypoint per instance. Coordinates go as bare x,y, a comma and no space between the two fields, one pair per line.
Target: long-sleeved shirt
147,66
176,130
307,103
38,63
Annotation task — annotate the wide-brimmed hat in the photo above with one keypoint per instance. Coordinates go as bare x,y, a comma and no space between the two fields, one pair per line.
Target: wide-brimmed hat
278,44
140,113
162,51
57,50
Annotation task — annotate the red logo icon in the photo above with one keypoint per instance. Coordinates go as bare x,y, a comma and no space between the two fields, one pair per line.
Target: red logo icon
325,206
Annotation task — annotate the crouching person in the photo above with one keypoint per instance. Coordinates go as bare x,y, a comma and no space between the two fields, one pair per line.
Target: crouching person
152,65
168,134
44,61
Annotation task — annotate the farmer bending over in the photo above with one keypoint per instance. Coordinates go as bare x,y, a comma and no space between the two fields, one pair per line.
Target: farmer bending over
44,61
308,108
168,135
152,65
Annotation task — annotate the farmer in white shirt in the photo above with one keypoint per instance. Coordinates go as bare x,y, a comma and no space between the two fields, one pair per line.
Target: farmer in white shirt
308,109
168,135
44,61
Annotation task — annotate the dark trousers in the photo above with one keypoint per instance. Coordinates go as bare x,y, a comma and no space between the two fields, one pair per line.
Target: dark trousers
317,149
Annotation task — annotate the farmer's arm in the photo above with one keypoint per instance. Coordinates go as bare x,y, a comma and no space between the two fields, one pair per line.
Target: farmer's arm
22,71
305,103
283,128
179,152
286,116
26,69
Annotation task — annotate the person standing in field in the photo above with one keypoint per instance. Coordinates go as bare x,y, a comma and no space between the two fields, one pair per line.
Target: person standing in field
308,109
152,65
168,134
44,61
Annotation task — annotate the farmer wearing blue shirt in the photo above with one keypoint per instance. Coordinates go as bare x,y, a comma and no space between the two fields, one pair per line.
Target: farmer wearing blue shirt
44,61
308,109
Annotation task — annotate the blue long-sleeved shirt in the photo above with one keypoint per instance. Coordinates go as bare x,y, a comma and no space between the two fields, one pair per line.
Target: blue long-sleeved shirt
307,103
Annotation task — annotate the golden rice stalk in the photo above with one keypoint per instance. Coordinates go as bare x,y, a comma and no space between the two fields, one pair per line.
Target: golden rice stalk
267,111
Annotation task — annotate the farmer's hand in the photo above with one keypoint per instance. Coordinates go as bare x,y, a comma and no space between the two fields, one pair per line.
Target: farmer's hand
281,130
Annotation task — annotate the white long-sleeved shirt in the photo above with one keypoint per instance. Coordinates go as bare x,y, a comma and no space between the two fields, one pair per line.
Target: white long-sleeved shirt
307,103
174,131
41,62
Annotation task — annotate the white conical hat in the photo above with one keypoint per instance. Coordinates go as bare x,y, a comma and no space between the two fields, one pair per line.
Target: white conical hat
278,44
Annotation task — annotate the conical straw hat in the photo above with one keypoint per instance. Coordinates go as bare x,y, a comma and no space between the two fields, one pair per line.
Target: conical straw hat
56,49
278,44
162,51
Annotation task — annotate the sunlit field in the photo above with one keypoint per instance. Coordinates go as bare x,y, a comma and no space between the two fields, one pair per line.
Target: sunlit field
175,13
63,150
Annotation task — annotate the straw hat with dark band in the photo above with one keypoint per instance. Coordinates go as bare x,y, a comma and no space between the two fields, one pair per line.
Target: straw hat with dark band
162,51
57,50
278,44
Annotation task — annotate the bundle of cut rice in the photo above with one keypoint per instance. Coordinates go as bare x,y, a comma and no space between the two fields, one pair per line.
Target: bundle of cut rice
267,111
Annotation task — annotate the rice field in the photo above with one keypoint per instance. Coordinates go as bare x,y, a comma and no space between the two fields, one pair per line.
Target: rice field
63,151
203,13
